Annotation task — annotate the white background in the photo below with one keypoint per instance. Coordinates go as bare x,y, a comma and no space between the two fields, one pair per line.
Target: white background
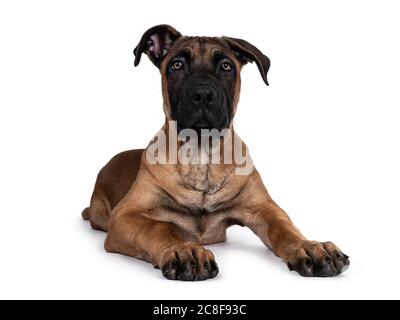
324,135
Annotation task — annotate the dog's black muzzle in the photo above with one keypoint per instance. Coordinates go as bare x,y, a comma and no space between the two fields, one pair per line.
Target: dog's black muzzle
201,104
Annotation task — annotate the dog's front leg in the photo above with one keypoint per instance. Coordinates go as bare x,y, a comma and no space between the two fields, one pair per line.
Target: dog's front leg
308,258
160,243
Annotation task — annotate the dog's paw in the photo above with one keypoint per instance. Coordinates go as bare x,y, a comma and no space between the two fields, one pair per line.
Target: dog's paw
188,262
316,259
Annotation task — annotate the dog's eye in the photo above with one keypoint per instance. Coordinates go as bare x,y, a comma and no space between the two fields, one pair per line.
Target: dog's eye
226,66
176,65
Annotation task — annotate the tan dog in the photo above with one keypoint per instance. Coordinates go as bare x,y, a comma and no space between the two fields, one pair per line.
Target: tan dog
163,213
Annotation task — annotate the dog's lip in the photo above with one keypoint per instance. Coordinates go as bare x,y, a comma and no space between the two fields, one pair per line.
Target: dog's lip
202,124
197,126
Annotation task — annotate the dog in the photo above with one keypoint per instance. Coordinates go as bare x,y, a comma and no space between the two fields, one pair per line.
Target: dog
163,213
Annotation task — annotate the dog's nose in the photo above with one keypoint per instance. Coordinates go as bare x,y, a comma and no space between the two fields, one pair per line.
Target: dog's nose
204,95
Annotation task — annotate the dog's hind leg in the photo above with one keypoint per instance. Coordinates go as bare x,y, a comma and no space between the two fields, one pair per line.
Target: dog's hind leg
98,213
85,213
112,184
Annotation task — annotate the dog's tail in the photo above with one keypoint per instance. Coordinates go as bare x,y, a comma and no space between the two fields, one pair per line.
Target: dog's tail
85,214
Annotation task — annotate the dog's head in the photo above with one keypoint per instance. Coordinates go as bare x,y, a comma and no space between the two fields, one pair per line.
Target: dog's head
200,75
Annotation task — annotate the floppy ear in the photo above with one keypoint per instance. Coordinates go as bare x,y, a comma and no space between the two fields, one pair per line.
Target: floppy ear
246,52
156,42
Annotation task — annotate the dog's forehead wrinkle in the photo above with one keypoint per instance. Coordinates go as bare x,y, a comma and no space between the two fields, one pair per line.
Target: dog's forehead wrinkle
200,48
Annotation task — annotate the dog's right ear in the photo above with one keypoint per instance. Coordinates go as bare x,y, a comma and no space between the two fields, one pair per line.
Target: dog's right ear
156,42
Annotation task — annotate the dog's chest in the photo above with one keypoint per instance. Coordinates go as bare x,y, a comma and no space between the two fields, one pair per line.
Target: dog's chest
200,178
198,203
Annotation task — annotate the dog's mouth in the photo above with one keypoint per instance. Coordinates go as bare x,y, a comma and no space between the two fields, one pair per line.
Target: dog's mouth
202,124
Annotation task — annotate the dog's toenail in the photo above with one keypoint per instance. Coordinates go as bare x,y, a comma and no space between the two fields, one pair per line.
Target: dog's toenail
328,260
308,263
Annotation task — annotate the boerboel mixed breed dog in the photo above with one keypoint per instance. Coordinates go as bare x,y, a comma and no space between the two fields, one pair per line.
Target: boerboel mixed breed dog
163,213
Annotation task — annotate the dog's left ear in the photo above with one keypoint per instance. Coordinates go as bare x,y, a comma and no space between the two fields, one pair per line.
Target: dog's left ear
156,42
246,52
